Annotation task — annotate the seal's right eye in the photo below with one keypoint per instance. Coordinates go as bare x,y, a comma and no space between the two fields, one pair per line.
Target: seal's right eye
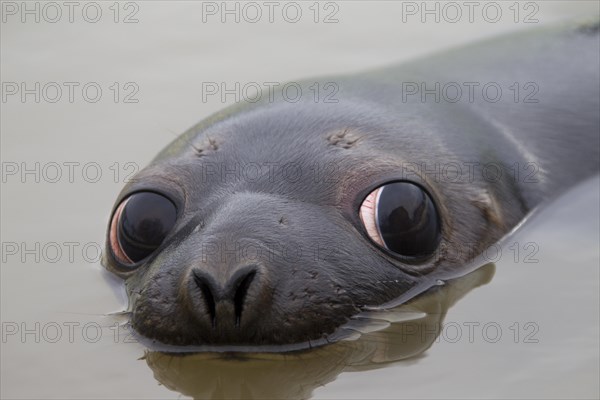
401,217
140,224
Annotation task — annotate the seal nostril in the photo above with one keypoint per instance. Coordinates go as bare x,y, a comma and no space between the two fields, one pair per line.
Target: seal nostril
207,294
225,303
240,295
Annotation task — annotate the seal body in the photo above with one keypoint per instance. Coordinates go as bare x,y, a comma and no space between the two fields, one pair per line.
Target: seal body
268,246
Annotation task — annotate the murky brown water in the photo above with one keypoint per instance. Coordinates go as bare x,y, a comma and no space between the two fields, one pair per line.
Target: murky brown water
533,331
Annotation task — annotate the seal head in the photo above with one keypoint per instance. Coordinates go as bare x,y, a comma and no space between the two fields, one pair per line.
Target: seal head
274,223
277,225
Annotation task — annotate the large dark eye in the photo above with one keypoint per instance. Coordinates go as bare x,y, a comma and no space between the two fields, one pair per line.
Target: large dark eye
401,217
140,224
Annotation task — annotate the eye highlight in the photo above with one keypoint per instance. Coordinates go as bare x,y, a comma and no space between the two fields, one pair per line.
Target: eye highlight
139,226
401,217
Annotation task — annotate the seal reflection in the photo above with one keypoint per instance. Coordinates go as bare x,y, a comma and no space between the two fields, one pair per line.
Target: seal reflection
414,329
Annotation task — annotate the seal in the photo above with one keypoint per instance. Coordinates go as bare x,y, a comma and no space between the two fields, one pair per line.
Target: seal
274,223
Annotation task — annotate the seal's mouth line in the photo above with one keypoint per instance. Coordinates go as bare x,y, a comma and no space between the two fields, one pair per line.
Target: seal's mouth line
155,345
358,325
405,297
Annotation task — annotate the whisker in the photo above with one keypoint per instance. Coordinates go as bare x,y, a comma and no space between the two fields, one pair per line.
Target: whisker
177,135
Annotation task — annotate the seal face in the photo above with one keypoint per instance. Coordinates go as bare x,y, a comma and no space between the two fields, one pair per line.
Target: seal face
279,236
274,223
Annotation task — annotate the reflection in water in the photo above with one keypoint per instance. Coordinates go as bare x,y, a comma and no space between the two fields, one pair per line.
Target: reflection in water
387,336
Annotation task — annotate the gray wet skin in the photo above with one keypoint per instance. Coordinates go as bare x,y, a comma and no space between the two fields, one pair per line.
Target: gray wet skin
317,267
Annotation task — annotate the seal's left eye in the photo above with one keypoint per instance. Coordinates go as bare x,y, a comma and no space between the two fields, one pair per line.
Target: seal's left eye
140,224
401,217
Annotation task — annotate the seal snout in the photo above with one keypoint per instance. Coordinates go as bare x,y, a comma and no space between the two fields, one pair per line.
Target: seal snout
225,303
